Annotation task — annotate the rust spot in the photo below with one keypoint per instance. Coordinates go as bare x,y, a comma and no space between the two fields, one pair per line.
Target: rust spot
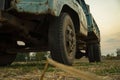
46,2
16,1
51,11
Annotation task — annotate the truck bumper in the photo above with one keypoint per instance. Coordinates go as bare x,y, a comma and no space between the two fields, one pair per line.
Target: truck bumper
35,6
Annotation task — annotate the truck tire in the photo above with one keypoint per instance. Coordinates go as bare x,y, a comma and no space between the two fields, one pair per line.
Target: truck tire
90,52
97,52
62,39
6,59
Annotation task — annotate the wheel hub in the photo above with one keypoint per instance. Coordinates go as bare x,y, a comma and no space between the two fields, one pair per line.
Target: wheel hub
70,40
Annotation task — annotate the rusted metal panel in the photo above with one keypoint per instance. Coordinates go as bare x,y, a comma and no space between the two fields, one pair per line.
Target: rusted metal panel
52,7
33,6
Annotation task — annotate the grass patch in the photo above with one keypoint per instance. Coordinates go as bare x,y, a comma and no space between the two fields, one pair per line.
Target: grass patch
105,68
110,70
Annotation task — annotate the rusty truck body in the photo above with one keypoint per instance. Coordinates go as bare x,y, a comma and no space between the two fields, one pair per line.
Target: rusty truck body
66,28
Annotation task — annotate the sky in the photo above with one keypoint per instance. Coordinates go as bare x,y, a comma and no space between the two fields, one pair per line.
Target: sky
107,16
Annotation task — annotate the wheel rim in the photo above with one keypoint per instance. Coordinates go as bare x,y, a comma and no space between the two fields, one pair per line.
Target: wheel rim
70,40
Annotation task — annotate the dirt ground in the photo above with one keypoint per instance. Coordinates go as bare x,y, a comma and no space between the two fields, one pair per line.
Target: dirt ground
107,69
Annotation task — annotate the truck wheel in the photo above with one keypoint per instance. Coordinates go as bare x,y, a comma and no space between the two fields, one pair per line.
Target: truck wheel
62,39
97,52
90,52
6,59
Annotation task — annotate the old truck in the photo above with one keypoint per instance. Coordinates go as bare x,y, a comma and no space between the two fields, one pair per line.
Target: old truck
66,28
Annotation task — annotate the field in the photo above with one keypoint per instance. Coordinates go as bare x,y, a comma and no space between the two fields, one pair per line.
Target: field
107,69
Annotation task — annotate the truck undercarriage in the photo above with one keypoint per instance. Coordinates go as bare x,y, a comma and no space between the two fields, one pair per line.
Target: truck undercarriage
28,31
